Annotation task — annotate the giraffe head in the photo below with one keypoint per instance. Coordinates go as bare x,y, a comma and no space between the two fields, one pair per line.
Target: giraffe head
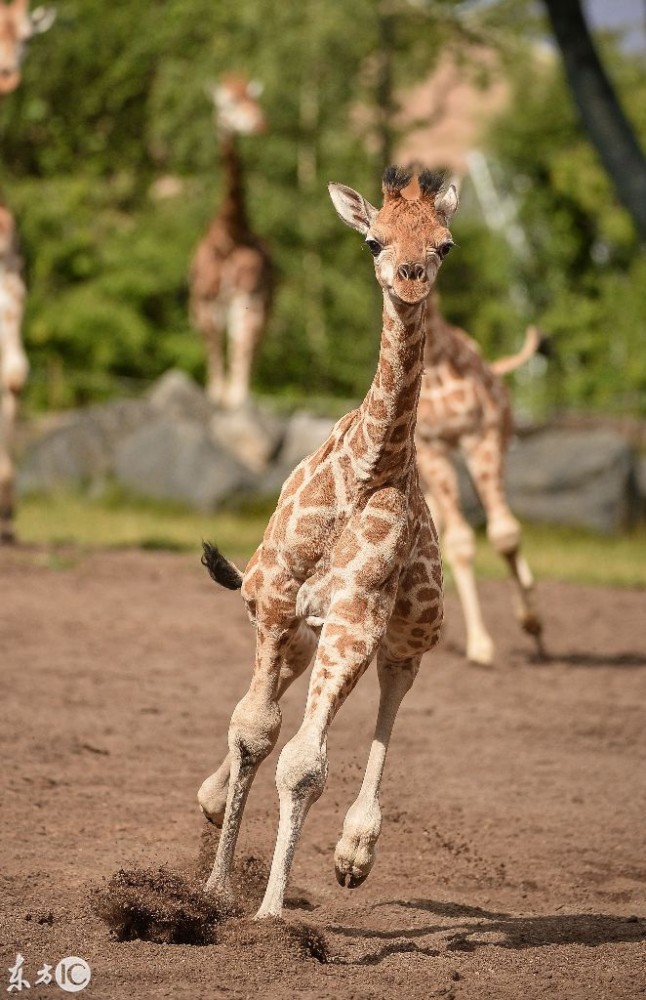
409,235
236,104
17,25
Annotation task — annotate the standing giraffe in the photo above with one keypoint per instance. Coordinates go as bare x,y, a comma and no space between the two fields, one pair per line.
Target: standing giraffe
349,561
463,403
231,275
17,26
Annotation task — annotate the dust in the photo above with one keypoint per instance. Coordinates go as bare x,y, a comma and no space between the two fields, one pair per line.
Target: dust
159,906
273,938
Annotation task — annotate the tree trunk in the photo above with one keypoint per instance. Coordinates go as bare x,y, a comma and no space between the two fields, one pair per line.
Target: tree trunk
601,113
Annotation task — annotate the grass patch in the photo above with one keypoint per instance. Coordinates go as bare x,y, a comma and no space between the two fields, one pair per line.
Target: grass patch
115,521
574,555
111,522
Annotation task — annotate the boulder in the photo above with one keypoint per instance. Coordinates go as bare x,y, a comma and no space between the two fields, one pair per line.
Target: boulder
79,453
175,459
251,435
175,394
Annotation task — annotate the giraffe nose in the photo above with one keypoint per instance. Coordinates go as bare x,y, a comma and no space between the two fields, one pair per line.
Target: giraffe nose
412,272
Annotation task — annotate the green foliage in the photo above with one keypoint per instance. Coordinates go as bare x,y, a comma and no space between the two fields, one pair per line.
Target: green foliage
584,272
113,103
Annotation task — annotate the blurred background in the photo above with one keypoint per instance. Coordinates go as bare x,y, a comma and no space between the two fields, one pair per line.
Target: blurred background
110,164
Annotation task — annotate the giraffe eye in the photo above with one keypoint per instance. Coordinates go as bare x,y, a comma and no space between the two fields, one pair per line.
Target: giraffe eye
374,247
444,249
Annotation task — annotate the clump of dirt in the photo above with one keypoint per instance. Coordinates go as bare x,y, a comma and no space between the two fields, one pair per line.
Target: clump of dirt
157,905
272,937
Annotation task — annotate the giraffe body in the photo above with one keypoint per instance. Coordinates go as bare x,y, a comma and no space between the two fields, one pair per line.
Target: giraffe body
231,274
17,26
464,404
349,566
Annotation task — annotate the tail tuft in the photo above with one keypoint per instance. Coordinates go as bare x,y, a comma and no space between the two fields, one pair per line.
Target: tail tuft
220,569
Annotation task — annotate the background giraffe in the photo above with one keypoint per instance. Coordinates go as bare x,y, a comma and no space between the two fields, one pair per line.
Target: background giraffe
350,558
464,404
17,26
231,274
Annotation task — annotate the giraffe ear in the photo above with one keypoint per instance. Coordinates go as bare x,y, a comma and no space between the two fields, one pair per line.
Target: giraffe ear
446,203
42,19
352,207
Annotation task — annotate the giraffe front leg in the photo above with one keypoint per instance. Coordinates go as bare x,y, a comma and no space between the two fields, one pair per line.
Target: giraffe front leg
356,850
302,767
254,729
213,792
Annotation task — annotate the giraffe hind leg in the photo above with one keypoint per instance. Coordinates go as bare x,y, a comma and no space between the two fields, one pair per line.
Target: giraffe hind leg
355,852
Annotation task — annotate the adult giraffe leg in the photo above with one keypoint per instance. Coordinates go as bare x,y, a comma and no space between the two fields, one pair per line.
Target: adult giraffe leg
247,317
355,852
458,542
206,318
212,795
486,460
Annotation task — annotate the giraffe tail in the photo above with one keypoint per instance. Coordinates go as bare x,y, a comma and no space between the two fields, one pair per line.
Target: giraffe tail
536,342
220,569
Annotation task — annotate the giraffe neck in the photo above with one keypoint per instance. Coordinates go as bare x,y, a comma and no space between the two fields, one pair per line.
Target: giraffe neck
233,212
382,440
438,332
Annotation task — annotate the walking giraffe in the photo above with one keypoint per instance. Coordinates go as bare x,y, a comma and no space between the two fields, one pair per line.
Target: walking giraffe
231,275
17,26
349,564
464,403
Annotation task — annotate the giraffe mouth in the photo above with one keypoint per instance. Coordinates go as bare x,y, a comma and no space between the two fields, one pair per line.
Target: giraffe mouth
411,292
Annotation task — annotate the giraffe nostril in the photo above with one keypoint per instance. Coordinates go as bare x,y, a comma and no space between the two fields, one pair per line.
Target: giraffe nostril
414,272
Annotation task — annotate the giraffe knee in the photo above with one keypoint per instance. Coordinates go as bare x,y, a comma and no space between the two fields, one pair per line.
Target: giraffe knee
504,534
301,771
460,544
253,731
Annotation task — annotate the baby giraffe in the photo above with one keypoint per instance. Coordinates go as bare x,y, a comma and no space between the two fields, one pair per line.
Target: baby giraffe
349,562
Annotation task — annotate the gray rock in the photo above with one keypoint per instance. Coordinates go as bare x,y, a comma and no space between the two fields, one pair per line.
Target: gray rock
174,459
251,435
79,453
175,394
305,433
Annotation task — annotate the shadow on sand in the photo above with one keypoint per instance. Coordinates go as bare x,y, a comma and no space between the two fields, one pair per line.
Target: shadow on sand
472,927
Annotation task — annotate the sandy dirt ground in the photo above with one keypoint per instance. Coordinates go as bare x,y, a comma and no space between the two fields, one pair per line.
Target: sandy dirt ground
512,862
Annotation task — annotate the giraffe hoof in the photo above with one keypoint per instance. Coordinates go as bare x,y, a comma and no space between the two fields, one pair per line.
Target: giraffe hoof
350,880
215,819
532,624
481,652
212,798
